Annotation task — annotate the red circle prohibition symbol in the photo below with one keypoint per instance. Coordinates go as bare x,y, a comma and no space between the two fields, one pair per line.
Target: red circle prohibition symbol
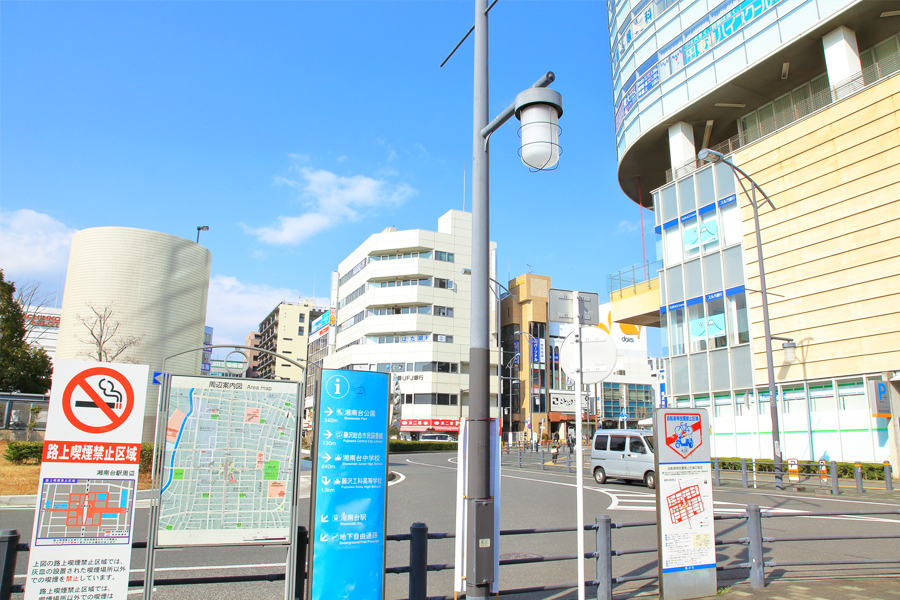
80,380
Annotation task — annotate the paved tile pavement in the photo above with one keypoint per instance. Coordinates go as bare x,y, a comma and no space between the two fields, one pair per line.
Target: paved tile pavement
868,588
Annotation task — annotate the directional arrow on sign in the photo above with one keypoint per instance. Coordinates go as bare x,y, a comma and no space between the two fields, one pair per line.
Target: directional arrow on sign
325,481
323,537
324,518
334,537
326,456
327,435
328,412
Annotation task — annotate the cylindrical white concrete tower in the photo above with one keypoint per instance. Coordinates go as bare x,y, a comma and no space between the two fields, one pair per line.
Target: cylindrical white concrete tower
155,286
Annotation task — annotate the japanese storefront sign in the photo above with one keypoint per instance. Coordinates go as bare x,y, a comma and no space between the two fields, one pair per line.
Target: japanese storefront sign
687,550
81,542
350,486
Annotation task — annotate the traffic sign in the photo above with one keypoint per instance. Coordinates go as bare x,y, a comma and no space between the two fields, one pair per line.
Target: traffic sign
623,416
81,399
598,355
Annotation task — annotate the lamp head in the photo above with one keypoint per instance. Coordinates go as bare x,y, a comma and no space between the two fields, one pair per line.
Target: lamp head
539,110
790,352
709,155
203,228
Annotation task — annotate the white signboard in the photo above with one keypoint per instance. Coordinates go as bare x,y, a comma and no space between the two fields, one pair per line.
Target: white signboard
229,461
81,542
564,402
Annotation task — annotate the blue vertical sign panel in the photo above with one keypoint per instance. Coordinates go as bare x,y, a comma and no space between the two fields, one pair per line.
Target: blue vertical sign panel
535,352
348,520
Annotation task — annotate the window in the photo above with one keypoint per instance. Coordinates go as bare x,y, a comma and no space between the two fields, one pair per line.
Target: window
691,235
356,269
731,223
444,256
349,298
715,323
709,232
637,446
443,311
444,284
686,195
617,443
672,240
302,318
697,326
300,330
676,331
669,203
738,328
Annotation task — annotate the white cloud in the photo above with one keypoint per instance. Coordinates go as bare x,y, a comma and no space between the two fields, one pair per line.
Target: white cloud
331,200
33,245
627,227
235,308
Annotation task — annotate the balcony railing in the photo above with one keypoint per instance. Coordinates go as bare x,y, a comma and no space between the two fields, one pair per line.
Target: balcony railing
799,109
634,278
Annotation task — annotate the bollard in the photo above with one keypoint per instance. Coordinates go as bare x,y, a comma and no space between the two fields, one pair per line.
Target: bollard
520,457
604,558
857,469
888,475
744,472
299,566
718,470
568,463
835,484
9,548
542,459
418,561
755,550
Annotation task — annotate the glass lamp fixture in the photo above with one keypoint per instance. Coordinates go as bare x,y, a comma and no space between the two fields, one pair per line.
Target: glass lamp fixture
539,109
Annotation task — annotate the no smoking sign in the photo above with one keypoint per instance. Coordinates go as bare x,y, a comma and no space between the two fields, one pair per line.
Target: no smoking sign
90,401
98,400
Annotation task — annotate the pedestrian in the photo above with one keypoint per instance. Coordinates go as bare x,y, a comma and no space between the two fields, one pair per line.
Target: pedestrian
554,448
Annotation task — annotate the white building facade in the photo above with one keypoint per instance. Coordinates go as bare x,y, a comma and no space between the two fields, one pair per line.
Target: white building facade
42,327
401,306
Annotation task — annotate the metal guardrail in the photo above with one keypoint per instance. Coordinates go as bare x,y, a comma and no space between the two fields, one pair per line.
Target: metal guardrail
636,276
825,478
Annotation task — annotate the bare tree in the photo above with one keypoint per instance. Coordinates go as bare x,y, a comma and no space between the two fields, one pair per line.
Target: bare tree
106,345
31,299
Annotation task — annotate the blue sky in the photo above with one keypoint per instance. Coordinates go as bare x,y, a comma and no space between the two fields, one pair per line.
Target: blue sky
295,130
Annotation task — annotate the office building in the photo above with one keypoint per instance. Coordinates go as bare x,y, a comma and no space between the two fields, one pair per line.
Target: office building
401,306
286,331
42,327
804,97
252,356
536,388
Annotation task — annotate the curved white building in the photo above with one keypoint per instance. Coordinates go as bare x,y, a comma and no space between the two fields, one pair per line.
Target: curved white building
156,285
804,97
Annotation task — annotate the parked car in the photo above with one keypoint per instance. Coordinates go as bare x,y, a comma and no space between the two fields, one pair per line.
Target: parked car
436,437
623,454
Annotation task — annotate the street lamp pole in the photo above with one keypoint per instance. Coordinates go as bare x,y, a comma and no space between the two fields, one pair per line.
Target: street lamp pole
713,156
199,229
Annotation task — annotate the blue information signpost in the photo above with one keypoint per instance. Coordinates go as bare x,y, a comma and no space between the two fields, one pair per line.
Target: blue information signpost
350,486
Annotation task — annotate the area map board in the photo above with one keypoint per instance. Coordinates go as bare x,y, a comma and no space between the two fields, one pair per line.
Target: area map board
348,520
687,548
228,466
83,520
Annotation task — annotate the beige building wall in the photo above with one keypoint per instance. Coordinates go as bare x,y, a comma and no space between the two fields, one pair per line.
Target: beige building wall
156,285
286,331
832,247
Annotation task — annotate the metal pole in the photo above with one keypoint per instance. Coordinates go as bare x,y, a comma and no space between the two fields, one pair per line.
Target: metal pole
718,473
300,564
744,472
569,462
9,549
579,450
857,469
770,367
604,558
888,475
755,551
479,477
835,484
418,561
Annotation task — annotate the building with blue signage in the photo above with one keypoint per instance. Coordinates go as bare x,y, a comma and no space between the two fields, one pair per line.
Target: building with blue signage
400,305
804,97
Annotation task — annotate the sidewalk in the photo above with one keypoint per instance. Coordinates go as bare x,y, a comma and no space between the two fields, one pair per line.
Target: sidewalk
862,588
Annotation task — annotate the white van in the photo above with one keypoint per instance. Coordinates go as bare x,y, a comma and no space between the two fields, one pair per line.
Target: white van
623,454
436,437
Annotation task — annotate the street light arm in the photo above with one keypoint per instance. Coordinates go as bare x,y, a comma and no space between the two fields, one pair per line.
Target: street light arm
750,179
548,78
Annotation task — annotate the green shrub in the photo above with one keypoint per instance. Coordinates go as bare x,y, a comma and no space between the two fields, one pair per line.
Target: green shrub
870,471
404,446
22,452
146,463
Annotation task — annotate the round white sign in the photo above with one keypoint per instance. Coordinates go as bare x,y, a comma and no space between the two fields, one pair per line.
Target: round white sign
598,355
